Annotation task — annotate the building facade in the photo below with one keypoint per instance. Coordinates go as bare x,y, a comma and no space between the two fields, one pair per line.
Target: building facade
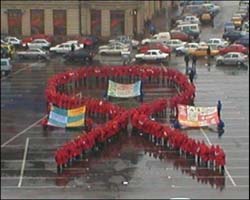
69,18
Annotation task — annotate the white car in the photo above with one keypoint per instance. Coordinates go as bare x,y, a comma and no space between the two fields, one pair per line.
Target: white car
126,40
35,53
64,48
187,48
39,43
76,42
232,58
217,43
175,43
116,43
152,55
12,40
160,37
113,49
190,19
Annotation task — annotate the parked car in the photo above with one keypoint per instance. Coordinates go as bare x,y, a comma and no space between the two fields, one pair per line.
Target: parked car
234,48
245,26
113,49
233,35
244,41
190,19
244,2
120,44
160,37
190,29
126,40
181,36
64,47
175,43
159,46
76,42
217,43
82,55
212,8
237,20
6,66
12,40
36,36
35,53
39,43
201,51
229,26
152,55
232,58
187,49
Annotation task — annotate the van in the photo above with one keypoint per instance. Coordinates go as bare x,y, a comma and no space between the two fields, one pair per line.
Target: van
6,67
192,30
160,37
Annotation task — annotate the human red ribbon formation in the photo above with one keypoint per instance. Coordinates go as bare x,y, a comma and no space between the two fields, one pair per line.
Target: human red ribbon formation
140,117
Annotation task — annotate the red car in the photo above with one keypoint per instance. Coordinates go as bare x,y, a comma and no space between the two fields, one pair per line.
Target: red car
181,36
233,48
37,36
163,48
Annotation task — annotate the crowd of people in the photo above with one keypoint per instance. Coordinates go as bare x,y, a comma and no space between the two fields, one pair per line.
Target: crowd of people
119,117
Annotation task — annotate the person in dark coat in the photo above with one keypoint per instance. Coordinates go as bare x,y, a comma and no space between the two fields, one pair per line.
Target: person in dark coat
219,106
191,75
186,59
194,59
72,47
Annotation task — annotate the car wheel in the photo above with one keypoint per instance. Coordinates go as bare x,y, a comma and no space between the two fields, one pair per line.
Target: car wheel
219,62
87,59
238,63
103,54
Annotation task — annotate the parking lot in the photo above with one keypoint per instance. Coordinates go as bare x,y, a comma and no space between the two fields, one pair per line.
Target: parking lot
131,167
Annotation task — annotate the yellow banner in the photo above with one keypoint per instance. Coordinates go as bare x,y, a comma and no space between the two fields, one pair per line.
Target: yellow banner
76,124
76,111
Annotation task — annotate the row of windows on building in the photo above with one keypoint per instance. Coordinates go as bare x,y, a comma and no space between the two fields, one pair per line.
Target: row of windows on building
60,22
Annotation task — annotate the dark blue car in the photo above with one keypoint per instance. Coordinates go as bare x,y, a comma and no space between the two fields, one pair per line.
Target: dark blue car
244,41
234,35
229,26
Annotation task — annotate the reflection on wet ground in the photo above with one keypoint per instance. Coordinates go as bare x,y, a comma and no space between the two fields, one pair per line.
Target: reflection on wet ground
133,158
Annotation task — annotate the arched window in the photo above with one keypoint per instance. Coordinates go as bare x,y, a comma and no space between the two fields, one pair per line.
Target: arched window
37,21
117,22
15,22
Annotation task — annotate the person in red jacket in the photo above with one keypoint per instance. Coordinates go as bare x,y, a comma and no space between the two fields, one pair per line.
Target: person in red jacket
59,160
211,155
220,158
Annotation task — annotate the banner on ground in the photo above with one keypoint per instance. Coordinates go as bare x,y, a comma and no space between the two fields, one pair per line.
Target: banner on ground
67,118
192,116
124,90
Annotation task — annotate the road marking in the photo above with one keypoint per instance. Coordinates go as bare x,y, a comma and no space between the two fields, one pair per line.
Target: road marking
24,160
16,72
22,132
228,174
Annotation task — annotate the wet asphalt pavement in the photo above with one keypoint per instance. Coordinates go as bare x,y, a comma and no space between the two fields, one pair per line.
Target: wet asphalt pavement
148,170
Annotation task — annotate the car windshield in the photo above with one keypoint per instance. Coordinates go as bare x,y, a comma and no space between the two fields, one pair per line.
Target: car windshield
3,62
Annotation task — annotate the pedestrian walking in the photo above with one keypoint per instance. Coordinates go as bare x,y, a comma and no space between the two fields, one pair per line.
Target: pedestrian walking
191,75
186,59
194,59
72,47
220,128
208,51
212,20
219,107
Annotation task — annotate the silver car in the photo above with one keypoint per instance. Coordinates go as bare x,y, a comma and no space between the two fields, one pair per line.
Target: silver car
35,53
232,58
